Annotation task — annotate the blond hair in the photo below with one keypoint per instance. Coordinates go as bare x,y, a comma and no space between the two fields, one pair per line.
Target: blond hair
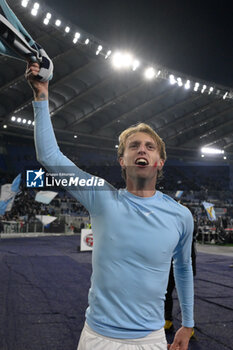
141,127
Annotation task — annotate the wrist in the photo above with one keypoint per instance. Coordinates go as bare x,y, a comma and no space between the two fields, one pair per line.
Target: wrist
190,329
40,96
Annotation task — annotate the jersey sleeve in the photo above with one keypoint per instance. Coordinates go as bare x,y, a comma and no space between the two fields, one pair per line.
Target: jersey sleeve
183,270
50,156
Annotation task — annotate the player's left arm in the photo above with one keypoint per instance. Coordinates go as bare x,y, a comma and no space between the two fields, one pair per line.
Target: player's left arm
183,274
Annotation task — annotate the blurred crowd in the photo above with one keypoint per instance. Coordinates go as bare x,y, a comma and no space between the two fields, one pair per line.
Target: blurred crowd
196,189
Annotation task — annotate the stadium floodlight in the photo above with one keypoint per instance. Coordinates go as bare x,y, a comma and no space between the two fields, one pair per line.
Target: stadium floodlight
127,60
202,156
203,89
75,136
135,65
76,37
13,118
211,89
48,15
187,85
4,126
24,121
122,60
196,86
36,6
100,48
34,12
225,95
67,29
179,82
225,157
116,146
209,150
19,120
58,22
24,3
172,79
108,54
87,41
29,122
46,21
117,60
150,73
33,123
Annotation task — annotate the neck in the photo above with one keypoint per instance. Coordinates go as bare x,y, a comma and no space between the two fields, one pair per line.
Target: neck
141,187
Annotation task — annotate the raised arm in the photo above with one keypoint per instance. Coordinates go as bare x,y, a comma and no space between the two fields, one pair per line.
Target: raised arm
47,150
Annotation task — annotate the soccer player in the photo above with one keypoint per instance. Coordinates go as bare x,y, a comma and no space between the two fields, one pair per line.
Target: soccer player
137,231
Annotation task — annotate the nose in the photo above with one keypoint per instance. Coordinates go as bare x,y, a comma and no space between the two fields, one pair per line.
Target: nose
142,149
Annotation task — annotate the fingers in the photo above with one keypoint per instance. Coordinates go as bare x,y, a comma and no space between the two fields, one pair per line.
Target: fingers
175,346
33,65
32,70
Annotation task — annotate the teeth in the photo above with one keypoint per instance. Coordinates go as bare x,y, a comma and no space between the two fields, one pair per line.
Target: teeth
141,160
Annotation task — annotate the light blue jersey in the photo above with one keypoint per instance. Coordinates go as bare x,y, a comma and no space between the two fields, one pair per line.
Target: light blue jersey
135,239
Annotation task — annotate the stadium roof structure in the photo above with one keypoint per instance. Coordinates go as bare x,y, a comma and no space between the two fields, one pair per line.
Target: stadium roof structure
91,102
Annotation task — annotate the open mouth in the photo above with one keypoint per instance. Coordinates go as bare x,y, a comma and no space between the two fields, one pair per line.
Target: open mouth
141,162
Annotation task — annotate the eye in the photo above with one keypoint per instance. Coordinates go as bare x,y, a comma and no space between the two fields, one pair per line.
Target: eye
151,147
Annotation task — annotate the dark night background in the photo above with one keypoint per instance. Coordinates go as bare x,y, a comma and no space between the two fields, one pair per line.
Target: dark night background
193,37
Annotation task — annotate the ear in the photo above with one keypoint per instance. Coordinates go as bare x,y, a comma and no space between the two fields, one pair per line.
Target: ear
160,164
121,161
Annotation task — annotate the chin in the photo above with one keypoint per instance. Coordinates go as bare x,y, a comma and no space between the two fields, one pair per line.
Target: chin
142,174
